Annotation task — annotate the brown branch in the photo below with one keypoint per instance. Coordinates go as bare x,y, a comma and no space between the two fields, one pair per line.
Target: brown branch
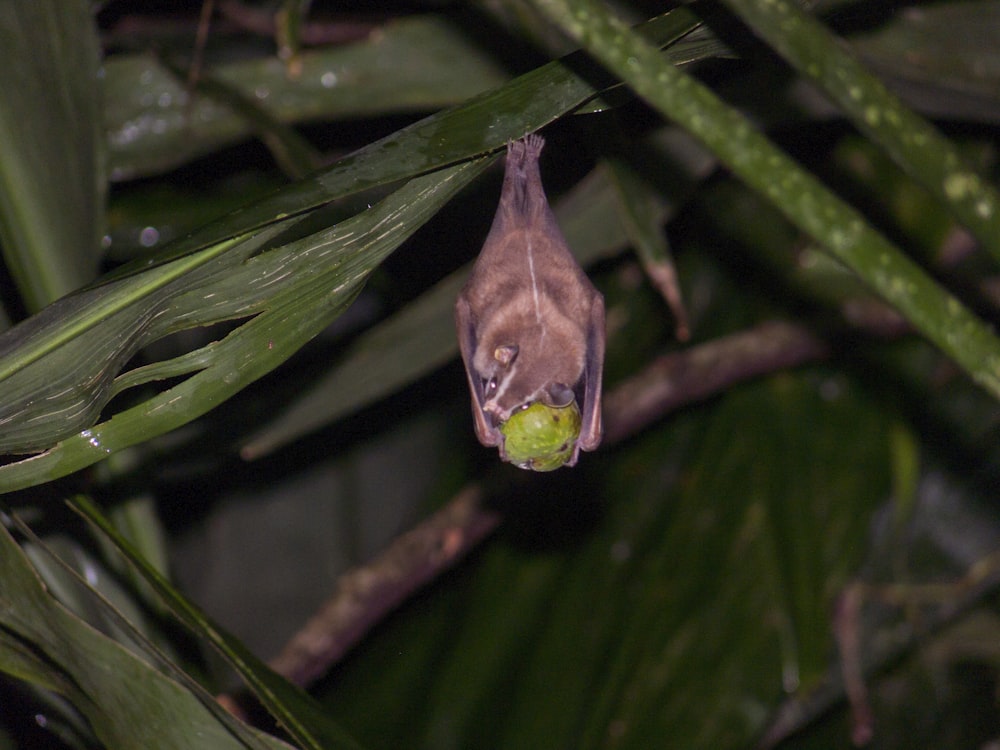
846,631
233,17
694,374
366,594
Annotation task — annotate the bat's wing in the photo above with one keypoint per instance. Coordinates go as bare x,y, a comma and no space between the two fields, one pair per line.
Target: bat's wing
488,434
591,429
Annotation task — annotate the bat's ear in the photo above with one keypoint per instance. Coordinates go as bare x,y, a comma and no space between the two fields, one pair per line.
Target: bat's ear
559,395
505,354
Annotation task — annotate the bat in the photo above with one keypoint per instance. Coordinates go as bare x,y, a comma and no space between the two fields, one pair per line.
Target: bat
530,323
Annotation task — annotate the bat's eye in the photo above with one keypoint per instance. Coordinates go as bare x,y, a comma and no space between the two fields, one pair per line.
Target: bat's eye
491,387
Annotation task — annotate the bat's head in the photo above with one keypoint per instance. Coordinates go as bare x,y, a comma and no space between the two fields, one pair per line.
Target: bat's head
514,379
537,417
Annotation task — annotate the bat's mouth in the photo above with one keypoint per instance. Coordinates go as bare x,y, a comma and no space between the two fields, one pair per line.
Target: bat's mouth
496,414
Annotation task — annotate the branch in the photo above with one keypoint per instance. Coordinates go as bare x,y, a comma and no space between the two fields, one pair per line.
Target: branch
366,594
694,374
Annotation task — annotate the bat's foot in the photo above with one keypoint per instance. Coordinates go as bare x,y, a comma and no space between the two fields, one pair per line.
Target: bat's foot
525,150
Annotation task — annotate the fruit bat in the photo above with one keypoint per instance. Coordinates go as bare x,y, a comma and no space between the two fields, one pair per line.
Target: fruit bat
530,324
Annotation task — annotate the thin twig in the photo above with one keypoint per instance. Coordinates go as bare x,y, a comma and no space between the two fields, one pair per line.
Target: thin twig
846,631
312,33
201,40
981,576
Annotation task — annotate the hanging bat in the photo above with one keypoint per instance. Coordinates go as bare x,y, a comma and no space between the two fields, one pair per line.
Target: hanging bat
531,329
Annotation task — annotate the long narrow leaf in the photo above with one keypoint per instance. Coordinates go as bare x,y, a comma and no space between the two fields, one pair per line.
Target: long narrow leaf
803,199
479,126
57,368
128,702
307,284
34,412
292,708
916,145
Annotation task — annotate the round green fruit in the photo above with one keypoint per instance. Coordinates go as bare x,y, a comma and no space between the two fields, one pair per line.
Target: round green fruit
541,437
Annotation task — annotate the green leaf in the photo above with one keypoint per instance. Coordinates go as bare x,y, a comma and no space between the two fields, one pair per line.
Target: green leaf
410,65
91,335
480,125
916,145
942,58
639,208
69,354
52,171
674,589
300,716
838,227
291,151
293,291
128,702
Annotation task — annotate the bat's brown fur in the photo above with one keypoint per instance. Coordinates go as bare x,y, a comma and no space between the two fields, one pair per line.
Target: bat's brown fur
530,323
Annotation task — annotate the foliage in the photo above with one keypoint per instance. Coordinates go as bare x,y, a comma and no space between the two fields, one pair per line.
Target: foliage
261,391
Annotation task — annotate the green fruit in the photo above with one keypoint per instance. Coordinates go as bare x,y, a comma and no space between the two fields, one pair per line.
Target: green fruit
541,437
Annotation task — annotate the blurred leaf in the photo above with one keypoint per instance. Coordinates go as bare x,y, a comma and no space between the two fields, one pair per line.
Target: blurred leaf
293,292
409,65
294,154
288,33
947,560
412,64
291,708
128,703
943,58
638,207
52,173
149,214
